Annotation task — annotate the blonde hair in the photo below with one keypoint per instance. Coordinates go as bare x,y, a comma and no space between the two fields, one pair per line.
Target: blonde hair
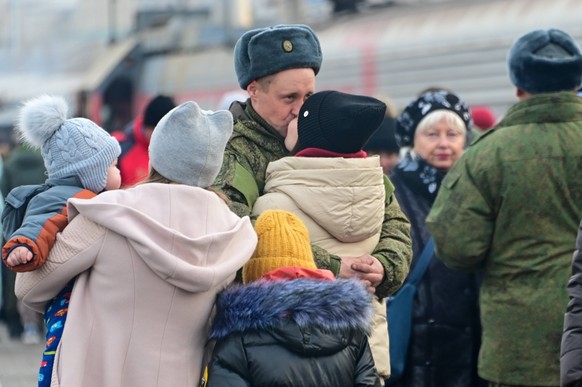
155,177
451,118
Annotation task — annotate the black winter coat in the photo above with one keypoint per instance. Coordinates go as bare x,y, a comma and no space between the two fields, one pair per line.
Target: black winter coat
571,350
446,332
303,332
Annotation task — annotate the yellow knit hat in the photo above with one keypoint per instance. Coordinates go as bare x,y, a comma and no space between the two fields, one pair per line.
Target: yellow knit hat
283,241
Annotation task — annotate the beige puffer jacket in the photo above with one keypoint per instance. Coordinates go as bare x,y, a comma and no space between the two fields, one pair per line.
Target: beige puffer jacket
341,201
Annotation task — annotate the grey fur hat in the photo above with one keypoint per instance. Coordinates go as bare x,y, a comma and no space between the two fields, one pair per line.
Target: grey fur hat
188,143
69,147
265,51
545,61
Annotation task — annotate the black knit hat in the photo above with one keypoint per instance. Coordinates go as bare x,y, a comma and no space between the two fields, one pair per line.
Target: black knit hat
383,139
419,108
545,61
338,122
156,109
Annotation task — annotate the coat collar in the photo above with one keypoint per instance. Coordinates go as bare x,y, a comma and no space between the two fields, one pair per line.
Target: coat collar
73,181
535,109
333,305
250,125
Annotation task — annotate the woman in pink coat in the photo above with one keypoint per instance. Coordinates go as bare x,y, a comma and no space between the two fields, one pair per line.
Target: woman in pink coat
149,262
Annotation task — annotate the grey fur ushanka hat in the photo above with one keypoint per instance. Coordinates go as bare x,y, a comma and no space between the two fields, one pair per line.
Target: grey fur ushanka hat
545,61
265,51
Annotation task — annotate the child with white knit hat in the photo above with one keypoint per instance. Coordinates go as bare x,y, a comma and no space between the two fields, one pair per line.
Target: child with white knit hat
80,159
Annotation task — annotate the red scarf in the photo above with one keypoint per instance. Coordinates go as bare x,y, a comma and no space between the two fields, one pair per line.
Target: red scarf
292,272
317,152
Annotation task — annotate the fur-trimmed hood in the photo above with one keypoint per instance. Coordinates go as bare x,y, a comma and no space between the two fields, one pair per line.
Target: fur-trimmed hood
327,306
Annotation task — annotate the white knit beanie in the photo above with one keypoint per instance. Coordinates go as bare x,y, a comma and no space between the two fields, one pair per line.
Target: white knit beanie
69,147
188,143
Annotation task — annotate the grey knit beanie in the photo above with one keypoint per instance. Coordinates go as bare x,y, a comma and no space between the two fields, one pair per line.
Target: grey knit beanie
188,143
69,147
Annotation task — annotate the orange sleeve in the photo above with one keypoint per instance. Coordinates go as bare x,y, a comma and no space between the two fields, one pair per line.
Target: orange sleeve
46,239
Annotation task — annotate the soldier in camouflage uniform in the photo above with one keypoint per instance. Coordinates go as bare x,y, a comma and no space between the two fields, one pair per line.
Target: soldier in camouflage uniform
511,204
277,67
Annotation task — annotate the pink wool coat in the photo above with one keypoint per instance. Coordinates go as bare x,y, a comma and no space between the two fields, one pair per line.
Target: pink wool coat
149,262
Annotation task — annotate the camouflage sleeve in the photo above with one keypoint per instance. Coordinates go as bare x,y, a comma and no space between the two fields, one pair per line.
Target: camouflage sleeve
394,250
236,182
325,260
461,220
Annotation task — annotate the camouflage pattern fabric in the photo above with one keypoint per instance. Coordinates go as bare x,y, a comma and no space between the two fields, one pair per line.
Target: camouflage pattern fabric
253,145
249,150
511,205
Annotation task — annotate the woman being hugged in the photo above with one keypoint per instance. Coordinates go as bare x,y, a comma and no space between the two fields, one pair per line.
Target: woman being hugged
446,333
337,191
149,262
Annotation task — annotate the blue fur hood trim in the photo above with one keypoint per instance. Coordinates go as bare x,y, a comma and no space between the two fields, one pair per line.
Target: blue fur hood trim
333,305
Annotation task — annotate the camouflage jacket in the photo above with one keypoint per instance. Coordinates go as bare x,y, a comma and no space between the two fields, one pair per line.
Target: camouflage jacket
253,145
511,204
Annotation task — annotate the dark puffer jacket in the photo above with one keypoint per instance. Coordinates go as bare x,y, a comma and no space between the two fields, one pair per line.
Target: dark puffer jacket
302,332
446,331
571,351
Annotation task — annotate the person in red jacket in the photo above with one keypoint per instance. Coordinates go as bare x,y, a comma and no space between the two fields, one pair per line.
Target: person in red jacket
135,140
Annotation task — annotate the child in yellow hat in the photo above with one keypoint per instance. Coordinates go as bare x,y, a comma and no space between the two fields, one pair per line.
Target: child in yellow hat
291,324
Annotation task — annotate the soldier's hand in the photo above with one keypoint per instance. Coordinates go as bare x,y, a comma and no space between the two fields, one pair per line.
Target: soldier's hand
369,268
366,268
346,270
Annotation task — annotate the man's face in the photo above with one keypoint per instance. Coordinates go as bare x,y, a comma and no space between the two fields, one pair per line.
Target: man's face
277,98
